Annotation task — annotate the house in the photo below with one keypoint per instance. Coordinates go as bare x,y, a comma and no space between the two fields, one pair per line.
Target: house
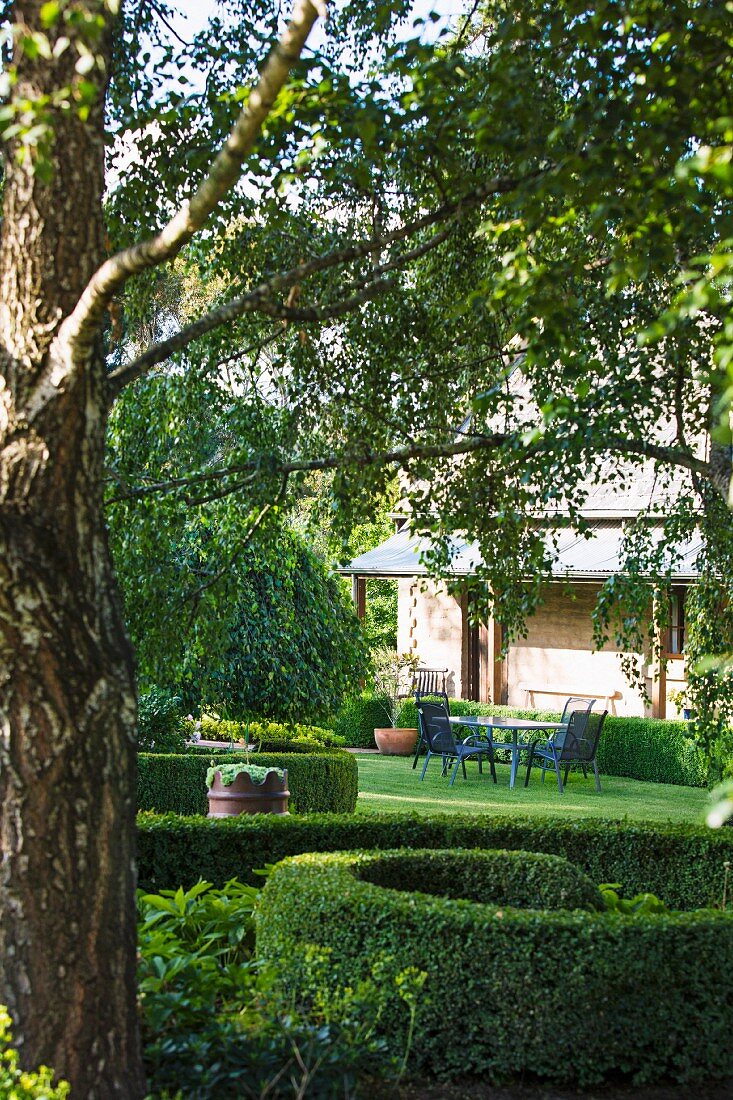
556,658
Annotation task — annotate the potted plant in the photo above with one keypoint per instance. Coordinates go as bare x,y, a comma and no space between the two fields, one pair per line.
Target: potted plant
393,675
246,789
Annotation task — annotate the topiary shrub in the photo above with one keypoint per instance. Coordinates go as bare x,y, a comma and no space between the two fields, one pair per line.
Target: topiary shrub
159,722
262,732
683,864
324,782
360,716
573,997
527,880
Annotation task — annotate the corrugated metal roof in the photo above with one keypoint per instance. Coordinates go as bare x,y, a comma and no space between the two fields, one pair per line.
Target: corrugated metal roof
575,556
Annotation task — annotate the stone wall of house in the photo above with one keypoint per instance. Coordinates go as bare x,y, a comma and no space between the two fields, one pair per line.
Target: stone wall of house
430,624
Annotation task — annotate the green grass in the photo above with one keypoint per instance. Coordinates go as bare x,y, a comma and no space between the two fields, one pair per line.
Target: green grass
389,783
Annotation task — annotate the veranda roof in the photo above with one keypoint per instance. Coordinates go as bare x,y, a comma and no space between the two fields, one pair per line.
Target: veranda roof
576,557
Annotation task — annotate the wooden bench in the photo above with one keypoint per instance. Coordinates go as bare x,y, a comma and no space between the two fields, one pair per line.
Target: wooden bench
604,692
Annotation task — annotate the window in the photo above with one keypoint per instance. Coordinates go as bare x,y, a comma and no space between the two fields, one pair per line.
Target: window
676,632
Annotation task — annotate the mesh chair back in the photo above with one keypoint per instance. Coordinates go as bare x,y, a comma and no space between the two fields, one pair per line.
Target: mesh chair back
576,702
435,727
582,735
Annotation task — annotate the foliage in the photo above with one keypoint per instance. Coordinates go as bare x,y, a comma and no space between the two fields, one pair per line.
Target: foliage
683,864
259,733
211,1017
640,905
360,716
159,722
539,975
393,675
229,772
321,782
524,880
18,1084
651,749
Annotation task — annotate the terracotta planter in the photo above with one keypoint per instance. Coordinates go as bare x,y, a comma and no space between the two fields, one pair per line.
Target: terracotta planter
245,797
396,742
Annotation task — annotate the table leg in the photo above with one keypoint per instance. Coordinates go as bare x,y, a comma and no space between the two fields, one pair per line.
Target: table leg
515,758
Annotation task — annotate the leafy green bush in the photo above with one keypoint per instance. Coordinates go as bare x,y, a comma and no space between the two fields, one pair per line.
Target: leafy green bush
652,749
360,716
683,864
568,996
159,722
214,1023
527,880
323,782
18,1084
261,732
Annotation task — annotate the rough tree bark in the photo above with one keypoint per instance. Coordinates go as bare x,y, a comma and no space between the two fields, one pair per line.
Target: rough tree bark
67,691
67,708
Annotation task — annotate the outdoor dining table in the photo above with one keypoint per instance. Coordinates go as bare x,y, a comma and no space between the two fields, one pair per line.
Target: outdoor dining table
508,725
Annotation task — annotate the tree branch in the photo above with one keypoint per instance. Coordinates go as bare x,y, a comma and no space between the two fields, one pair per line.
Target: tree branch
401,456
259,300
79,329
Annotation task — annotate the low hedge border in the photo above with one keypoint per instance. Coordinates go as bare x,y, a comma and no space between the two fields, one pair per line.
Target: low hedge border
652,749
323,782
571,997
682,864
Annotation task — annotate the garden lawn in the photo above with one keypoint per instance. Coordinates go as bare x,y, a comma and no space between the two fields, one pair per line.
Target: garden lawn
389,783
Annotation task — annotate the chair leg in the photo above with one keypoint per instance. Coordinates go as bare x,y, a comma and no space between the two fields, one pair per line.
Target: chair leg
567,773
557,773
455,771
598,778
529,768
585,771
425,765
463,765
417,752
491,764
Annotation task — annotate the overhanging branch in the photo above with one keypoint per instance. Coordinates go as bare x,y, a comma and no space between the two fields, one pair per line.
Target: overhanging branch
80,328
401,456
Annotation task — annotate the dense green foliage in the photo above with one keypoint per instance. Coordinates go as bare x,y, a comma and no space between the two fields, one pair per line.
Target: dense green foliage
258,732
524,880
324,782
683,864
650,984
160,722
228,773
359,717
651,749
213,1023
18,1084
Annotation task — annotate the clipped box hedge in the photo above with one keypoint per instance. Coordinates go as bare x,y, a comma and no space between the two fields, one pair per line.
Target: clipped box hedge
570,996
359,717
682,864
652,749
326,781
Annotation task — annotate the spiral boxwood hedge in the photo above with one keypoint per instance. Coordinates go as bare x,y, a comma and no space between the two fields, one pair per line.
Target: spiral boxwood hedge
653,749
571,996
322,782
682,864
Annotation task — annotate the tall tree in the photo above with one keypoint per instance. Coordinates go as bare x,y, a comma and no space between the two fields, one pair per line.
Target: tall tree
560,184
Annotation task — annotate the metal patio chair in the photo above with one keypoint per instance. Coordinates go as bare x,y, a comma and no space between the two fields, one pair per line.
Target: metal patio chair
577,743
576,702
437,734
429,684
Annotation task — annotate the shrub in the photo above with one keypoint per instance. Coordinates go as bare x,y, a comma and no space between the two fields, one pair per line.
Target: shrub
683,864
569,996
18,1084
159,722
652,749
263,732
360,716
325,782
216,1024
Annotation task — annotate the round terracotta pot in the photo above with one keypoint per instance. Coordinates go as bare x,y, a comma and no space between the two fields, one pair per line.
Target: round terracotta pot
395,742
245,797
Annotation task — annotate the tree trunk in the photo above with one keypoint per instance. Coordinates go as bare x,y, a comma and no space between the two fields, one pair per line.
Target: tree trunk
67,698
